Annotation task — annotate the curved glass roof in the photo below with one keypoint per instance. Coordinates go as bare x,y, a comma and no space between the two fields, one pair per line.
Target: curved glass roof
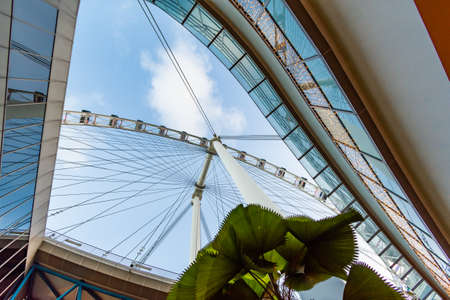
307,69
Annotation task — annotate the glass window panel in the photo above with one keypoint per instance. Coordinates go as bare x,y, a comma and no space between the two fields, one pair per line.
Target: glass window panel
298,142
16,217
313,162
412,279
26,65
36,12
422,290
341,198
327,180
367,229
359,208
434,296
291,28
390,255
282,121
227,49
409,212
247,73
178,9
265,97
357,131
328,84
20,91
14,139
201,24
20,158
22,115
384,174
401,267
27,38
379,242
12,181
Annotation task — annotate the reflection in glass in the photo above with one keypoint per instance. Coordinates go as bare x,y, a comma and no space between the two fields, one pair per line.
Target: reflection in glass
20,91
367,228
27,38
227,49
202,25
36,12
313,162
247,73
27,65
327,180
298,142
178,9
401,267
291,28
282,121
341,198
328,84
265,97
390,255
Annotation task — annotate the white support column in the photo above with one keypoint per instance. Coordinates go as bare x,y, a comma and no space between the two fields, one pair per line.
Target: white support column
196,198
249,189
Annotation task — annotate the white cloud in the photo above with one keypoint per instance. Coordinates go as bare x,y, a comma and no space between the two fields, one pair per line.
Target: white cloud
79,101
169,98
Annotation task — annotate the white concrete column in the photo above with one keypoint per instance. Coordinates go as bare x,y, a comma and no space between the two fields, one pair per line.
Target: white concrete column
248,188
196,198
195,230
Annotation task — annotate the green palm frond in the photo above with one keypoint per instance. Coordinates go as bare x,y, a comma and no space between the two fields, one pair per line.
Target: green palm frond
363,283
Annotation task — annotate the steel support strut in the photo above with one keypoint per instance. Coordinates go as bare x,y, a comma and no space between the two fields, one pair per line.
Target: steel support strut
196,212
248,188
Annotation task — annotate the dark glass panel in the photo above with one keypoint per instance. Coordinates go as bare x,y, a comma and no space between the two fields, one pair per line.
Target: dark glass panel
247,73
227,49
265,97
298,142
390,255
327,180
367,229
282,121
341,198
18,138
178,9
22,115
30,39
401,267
26,65
36,12
313,162
20,158
19,177
291,28
20,91
358,133
385,176
328,84
379,242
202,25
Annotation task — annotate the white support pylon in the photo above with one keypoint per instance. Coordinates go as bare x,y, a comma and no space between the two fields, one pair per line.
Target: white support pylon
248,188
196,198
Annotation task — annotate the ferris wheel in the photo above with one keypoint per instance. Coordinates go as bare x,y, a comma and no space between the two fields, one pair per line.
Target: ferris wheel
149,197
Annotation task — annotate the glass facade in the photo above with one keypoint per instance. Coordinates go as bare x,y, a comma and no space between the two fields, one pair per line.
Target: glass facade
30,49
295,51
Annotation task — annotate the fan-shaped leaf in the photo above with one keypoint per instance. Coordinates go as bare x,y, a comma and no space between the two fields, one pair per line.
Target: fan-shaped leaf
364,284
256,231
237,291
204,278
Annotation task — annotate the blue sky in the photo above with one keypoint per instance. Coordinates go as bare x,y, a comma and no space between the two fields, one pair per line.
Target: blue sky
118,67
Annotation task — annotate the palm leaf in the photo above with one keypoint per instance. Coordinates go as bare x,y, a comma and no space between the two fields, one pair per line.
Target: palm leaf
204,278
254,229
365,284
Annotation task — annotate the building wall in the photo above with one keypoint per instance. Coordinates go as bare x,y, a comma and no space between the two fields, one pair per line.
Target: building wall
32,84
